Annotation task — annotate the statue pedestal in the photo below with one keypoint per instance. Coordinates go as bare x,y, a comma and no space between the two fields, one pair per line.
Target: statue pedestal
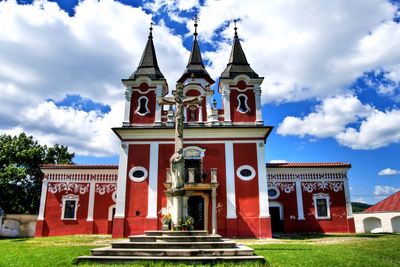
178,211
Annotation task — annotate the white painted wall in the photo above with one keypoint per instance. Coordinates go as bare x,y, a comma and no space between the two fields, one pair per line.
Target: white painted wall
377,222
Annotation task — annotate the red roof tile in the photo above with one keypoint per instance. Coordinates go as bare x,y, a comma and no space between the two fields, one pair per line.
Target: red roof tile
391,203
77,166
309,165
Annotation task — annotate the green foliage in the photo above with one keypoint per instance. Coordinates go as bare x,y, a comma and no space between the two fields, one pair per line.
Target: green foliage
359,207
301,250
20,174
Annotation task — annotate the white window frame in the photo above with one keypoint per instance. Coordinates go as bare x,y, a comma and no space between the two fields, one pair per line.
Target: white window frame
138,168
246,178
278,192
327,199
245,103
139,106
66,198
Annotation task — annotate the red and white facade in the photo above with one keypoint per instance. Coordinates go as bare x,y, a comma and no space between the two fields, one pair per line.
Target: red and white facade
229,189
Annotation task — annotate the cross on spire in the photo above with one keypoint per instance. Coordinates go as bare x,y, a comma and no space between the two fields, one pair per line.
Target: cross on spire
196,20
235,28
151,29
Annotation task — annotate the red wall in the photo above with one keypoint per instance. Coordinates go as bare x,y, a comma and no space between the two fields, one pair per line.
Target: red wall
237,116
151,104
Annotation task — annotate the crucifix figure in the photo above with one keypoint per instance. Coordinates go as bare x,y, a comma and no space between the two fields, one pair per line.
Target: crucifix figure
177,162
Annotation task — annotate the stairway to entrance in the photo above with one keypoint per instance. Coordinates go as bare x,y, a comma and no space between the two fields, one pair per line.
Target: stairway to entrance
191,247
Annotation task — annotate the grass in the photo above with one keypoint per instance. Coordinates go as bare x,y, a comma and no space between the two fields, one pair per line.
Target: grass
293,250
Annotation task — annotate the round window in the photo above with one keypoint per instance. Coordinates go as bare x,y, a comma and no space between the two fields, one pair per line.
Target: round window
273,193
138,174
246,172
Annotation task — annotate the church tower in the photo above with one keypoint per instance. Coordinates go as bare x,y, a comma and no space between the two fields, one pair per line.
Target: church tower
143,87
239,86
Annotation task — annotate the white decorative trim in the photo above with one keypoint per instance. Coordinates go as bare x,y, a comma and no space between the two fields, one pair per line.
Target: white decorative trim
66,198
122,179
140,105
114,196
68,187
323,185
230,182
286,175
110,212
299,198
43,197
245,103
193,152
257,95
246,167
138,179
102,189
227,105
327,199
262,181
284,187
153,183
349,208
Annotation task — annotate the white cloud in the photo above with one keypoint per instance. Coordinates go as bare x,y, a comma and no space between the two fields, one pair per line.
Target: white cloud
380,129
305,49
45,54
334,115
329,119
384,190
388,171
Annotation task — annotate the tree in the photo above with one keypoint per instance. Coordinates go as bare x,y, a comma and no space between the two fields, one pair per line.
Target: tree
20,174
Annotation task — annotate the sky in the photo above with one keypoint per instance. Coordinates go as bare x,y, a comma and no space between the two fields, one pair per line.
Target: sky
331,68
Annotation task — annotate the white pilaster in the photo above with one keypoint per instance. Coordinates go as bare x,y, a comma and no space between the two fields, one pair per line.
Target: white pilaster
348,201
257,95
91,201
227,105
43,197
121,182
128,95
153,178
157,119
200,114
262,181
208,107
299,198
230,181
214,211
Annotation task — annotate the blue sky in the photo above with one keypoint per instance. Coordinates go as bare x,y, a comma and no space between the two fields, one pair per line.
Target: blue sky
331,88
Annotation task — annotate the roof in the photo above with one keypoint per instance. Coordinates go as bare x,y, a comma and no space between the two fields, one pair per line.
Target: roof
148,66
391,203
309,165
195,65
77,166
237,62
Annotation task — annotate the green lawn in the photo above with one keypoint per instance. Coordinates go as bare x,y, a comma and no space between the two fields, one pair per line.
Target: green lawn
301,250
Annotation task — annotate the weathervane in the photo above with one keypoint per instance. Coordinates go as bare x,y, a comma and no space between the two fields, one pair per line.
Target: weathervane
235,28
196,20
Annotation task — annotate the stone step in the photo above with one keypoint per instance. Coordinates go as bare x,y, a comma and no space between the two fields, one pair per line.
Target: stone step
199,238
239,251
173,245
188,260
176,233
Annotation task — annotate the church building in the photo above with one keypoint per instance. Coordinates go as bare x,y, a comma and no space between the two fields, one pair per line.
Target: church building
230,190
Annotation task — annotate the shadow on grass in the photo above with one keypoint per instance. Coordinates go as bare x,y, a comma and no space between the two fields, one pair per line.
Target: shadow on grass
15,239
310,236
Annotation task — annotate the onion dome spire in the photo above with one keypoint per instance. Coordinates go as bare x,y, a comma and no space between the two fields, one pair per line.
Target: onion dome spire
148,65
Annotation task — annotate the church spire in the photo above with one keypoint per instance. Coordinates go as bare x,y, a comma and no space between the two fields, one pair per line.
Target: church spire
148,65
195,66
237,61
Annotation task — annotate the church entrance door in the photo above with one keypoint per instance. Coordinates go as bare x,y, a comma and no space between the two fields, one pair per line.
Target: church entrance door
276,222
196,210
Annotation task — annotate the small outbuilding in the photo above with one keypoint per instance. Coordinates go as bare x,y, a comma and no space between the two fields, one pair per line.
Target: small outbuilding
383,217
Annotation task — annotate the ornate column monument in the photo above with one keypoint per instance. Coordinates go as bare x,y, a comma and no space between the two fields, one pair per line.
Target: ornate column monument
177,161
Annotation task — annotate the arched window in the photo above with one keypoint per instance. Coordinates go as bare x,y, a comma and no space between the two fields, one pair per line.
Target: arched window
242,104
142,108
192,114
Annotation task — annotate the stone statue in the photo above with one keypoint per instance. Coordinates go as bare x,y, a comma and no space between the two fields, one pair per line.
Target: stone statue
177,162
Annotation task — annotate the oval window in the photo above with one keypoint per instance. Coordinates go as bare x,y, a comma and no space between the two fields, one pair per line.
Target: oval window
246,172
138,174
273,193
